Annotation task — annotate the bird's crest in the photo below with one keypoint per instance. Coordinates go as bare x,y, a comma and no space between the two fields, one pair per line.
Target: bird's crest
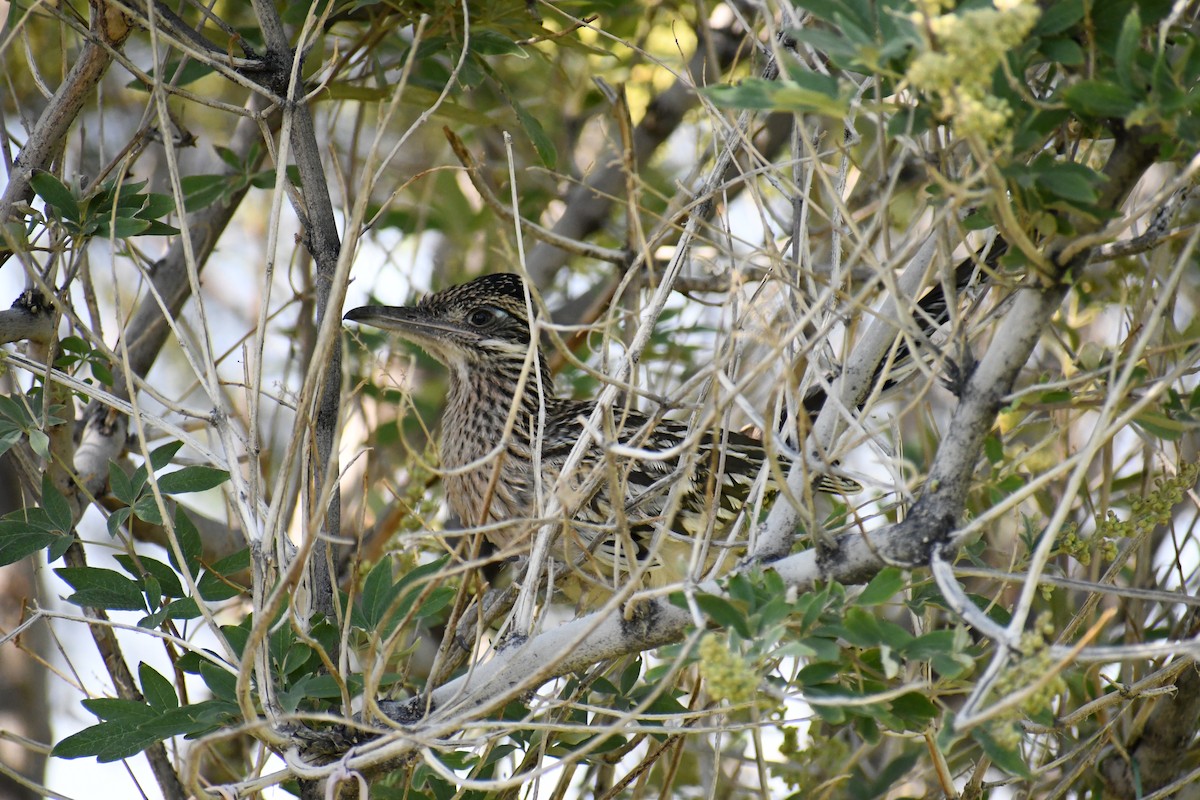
506,289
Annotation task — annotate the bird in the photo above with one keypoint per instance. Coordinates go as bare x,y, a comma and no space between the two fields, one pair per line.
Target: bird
504,429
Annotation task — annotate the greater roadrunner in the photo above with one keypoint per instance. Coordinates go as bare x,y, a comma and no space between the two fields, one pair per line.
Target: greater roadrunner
501,403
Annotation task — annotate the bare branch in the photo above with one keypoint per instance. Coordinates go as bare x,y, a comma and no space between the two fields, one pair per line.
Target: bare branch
571,246
107,27
589,204
325,245
1151,761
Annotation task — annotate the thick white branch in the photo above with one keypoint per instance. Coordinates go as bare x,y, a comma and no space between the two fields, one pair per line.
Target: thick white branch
849,389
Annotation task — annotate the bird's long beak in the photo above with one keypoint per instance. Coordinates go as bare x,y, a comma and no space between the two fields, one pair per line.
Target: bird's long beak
411,323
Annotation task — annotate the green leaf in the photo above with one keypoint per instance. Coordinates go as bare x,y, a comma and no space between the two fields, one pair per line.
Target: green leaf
175,722
18,540
158,691
131,728
1161,426
137,481
102,588
144,567
231,159
830,692
108,741
1127,45
837,48
817,93
12,410
56,194
192,479
115,709
1097,98
664,703
894,636
59,547
152,621
827,10
993,448
825,85
287,653
146,509
161,456
537,135
435,601
724,613
291,697
119,485
1064,51
1006,758
978,220
493,43
952,666
915,709
882,587
212,714
189,540
9,438
630,675
157,206
794,97
1057,17
152,591
101,371
860,628
753,93
127,194
1055,397
849,17
377,594
201,191
263,180
121,227
930,644
57,509
1070,181
823,648
221,682
217,584
237,636
155,228
1070,187
39,442
183,608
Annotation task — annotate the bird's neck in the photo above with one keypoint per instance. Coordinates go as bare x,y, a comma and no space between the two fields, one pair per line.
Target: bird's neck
480,401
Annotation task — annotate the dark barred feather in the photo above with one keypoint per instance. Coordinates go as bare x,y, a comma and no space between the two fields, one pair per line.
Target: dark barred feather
480,330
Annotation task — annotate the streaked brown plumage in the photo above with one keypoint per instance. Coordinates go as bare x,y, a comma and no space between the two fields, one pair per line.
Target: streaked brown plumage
480,330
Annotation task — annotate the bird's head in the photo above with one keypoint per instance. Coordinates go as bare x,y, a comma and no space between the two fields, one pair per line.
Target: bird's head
481,323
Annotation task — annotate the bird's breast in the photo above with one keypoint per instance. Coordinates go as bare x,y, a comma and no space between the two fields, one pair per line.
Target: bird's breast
486,477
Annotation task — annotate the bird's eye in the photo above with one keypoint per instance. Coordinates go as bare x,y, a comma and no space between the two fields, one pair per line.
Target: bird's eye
483,316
